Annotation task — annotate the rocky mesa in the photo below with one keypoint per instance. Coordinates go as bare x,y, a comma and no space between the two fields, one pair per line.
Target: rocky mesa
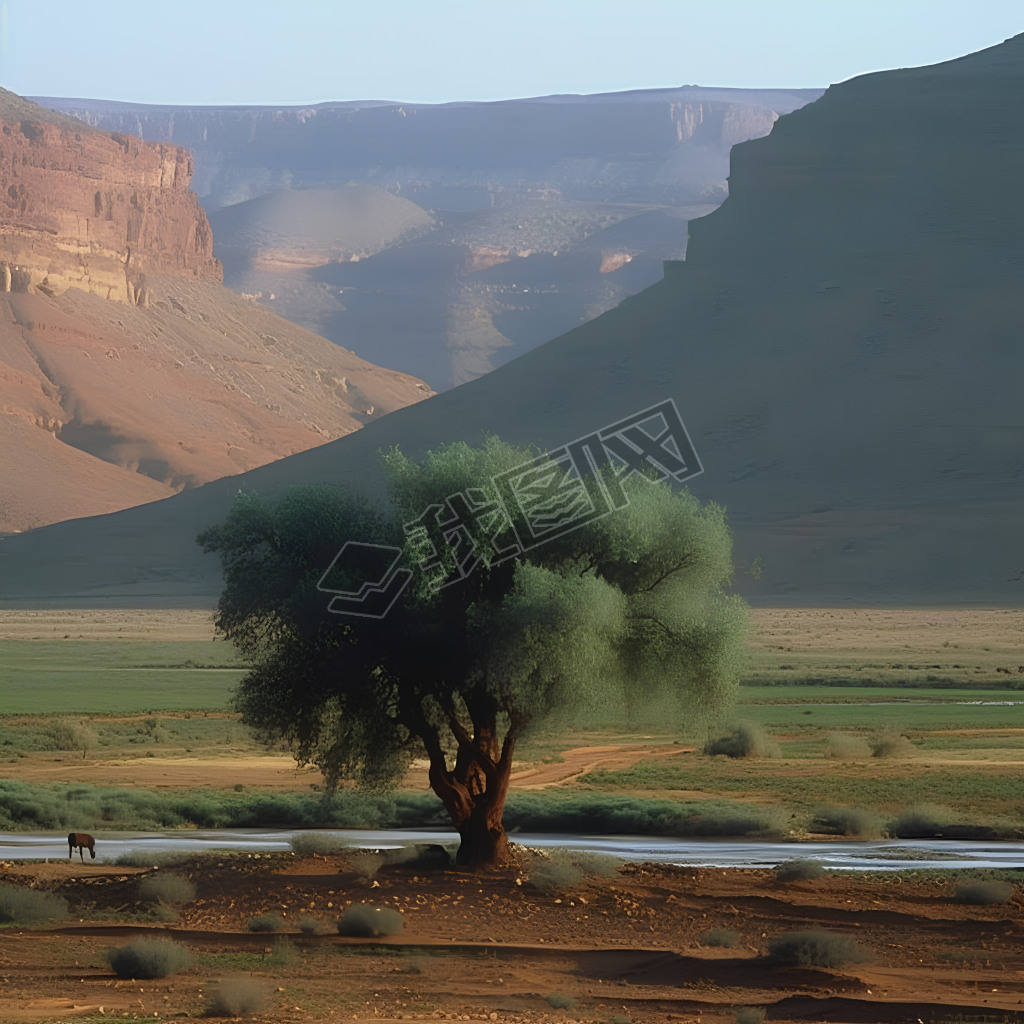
95,211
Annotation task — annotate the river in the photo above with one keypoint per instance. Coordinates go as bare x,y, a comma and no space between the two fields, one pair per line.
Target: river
878,855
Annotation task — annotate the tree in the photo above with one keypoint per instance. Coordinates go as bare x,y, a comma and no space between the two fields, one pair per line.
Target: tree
627,610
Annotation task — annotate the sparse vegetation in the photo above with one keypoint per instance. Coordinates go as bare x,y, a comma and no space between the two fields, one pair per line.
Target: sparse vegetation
891,744
171,890
750,1015
722,937
20,905
846,747
847,821
560,1001
815,948
313,844
923,822
547,874
310,925
364,920
744,739
148,958
266,923
235,997
983,892
800,869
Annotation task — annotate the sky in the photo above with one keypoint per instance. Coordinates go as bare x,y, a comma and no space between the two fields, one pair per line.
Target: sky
437,51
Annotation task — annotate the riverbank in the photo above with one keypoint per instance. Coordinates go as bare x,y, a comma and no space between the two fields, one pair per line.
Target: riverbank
518,945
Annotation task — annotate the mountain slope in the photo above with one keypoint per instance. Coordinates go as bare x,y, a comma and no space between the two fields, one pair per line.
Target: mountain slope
843,343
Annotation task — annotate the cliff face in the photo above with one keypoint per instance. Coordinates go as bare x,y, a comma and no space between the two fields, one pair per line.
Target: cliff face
83,209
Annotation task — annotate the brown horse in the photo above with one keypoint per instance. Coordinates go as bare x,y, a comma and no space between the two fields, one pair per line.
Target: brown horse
83,841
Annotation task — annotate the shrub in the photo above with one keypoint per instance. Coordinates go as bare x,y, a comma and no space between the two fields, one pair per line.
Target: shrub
560,1001
423,857
919,823
815,948
549,874
983,893
308,844
19,905
71,734
750,1014
171,890
148,958
235,996
364,920
846,747
365,863
266,923
142,859
309,925
745,739
283,954
891,744
847,821
724,937
799,870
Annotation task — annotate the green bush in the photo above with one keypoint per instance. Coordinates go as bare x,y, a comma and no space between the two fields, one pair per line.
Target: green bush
308,844
891,744
750,1014
365,863
236,996
153,859
723,937
560,1001
744,739
171,890
801,869
266,923
847,821
815,948
919,823
309,925
363,920
548,874
983,892
148,958
19,905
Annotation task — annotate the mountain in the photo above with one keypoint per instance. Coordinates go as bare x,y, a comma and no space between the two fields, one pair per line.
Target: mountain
842,342
127,371
444,240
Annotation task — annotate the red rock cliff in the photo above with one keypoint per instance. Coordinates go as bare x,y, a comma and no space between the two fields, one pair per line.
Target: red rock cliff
85,209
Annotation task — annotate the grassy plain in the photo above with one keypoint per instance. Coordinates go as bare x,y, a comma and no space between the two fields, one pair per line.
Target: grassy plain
139,700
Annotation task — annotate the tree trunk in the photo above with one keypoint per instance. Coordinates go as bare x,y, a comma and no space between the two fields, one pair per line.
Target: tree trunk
484,841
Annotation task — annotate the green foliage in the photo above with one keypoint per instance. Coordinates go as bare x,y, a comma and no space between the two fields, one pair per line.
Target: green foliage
148,958
308,844
310,925
983,892
744,739
172,890
266,923
19,905
234,997
630,610
560,1001
815,948
922,822
891,744
846,747
847,821
724,937
547,874
799,870
365,863
364,920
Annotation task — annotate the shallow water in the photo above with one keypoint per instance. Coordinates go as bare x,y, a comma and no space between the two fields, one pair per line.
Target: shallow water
877,855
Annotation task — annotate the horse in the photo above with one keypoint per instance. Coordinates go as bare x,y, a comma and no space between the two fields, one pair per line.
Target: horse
83,841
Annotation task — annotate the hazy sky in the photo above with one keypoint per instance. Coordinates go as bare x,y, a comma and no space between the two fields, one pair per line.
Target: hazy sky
306,51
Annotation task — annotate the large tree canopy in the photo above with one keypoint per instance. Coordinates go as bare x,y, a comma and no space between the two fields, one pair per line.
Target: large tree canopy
630,609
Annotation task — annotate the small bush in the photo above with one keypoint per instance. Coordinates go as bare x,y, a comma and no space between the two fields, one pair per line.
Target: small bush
847,821
19,905
560,1001
365,863
919,823
236,996
799,870
745,739
283,954
846,747
153,859
554,875
891,744
309,925
266,923
308,844
983,893
815,948
148,958
600,865
171,890
364,920
750,1014
723,937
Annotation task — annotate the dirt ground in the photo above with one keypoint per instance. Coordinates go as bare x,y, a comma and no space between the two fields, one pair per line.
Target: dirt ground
493,946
